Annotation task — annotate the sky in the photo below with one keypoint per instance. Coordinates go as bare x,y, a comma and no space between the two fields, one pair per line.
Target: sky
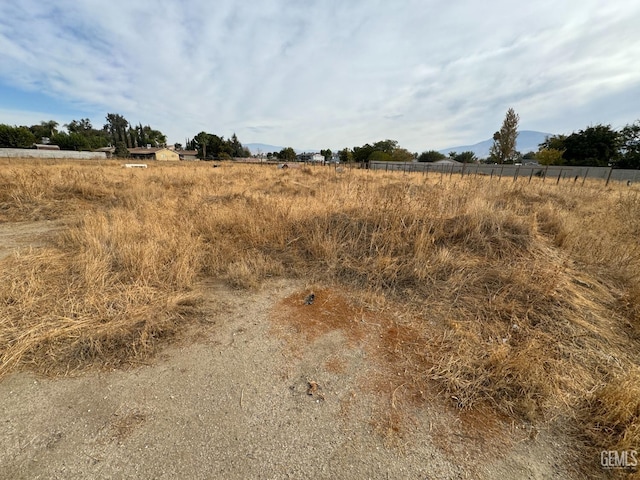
317,74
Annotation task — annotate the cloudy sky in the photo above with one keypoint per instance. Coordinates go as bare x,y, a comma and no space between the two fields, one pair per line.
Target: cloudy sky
323,73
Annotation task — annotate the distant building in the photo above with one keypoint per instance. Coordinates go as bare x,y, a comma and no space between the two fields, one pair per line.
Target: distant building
187,154
161,153
310,157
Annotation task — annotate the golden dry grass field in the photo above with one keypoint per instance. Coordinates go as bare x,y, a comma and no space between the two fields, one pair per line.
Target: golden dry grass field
520,298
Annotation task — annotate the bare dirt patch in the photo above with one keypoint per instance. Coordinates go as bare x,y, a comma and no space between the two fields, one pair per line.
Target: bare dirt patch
338,339
241,403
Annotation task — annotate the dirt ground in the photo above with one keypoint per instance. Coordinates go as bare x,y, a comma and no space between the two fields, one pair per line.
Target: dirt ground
265,387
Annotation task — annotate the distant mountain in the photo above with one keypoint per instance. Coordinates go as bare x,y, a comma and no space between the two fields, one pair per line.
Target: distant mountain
528,141
256,148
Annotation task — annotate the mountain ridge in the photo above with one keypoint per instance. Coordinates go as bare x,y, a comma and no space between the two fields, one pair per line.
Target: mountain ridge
528,140
258,148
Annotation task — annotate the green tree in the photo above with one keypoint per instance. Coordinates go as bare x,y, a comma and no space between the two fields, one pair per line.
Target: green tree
550,156
431,156
44,130
16,137
71,141
386,146
465,157
82,126
116,128
379,156
402,155
555,142
140,137
121,150
288,154
327,154
149,136
345,155
361,154
597,146
234,148
503,149
94,139
207,145
630,146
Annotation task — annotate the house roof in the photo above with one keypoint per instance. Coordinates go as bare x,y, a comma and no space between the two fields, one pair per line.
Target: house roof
144,150
187,152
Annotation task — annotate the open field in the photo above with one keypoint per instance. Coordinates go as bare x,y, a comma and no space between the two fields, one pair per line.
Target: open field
514,301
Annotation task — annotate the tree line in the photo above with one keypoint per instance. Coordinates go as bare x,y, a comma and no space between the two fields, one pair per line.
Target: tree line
211,146
117,132
598,145
80,135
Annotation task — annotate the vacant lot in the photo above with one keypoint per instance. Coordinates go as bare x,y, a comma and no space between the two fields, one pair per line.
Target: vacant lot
450,315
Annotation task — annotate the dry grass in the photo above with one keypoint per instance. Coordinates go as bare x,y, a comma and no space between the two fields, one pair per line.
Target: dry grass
524,297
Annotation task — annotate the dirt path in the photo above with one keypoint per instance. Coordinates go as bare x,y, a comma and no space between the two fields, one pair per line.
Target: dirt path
265,388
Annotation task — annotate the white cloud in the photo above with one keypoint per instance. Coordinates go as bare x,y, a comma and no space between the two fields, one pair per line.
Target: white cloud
329,73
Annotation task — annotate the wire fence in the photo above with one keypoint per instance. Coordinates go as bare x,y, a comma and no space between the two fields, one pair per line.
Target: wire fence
546,173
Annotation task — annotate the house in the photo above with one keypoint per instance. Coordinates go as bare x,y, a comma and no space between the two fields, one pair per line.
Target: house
311,157
155,153
187,154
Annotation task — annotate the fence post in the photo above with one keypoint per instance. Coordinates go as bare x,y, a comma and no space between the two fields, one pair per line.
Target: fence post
515,176
501,170
544,175
608,177
530,175
585,176
559,175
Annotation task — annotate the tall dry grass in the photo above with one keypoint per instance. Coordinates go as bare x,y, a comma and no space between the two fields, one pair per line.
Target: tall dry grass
526,295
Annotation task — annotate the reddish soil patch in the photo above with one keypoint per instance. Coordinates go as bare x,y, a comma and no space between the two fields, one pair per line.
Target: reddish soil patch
396,373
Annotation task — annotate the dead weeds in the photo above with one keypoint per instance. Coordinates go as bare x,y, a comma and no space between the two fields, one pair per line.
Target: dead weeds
521,298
